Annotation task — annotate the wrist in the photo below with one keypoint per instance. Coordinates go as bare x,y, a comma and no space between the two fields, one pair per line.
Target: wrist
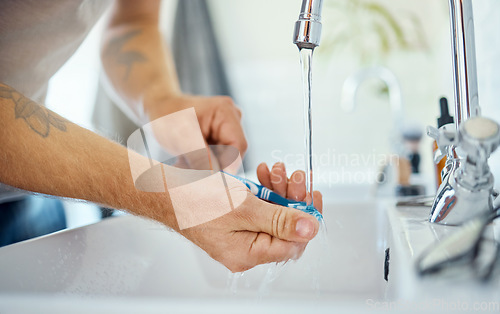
147,194
158,98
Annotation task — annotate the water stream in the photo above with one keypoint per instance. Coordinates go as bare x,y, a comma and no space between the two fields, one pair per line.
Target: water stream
306,62
232,282
275,269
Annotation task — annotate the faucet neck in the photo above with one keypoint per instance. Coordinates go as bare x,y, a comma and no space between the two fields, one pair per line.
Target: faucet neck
464,60
311,10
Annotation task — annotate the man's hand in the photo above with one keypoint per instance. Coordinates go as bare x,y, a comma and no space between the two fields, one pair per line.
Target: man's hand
142,72
255,232
218,117
258,232
293,188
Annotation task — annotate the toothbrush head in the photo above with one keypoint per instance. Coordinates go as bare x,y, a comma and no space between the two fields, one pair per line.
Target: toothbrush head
308,209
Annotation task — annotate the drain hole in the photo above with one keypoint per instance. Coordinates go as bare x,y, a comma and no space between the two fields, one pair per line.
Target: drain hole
386,264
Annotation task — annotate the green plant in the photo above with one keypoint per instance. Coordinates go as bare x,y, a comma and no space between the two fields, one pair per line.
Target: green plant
369,30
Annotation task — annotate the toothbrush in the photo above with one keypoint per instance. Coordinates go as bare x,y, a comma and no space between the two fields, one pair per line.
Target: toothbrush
266,194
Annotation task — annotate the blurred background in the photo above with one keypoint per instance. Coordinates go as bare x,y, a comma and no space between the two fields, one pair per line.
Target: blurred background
410,39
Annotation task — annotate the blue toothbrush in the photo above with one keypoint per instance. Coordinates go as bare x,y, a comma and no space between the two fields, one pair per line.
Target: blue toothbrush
266,194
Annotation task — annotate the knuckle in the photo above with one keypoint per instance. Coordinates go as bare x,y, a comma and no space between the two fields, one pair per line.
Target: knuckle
279,222
225,101
244,145
239,114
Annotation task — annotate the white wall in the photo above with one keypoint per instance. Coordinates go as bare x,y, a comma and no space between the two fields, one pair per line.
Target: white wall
265,74
264,69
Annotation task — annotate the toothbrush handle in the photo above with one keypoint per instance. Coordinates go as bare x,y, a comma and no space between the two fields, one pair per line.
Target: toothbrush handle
264,193
273,197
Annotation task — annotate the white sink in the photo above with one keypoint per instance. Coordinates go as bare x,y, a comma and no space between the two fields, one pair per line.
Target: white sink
135,258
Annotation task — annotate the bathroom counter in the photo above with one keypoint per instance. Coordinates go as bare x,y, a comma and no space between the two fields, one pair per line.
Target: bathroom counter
452,290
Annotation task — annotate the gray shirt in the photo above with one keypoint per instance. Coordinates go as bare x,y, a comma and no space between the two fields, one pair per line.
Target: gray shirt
36,38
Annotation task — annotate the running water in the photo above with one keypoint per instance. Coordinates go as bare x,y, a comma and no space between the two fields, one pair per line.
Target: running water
275,270
272,272
323,234
232,282
306,62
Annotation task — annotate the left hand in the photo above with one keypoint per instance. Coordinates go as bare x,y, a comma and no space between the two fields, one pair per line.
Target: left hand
258,232
292,188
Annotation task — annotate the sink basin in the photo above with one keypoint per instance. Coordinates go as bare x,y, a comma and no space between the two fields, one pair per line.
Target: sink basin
128,264
131,258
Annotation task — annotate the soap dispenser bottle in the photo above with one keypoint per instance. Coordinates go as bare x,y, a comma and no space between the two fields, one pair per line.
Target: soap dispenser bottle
445,118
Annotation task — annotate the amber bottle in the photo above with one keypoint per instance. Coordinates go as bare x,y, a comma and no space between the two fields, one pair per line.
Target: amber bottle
445,118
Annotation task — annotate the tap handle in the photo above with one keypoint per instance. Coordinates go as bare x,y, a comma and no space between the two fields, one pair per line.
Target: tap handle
445,136
432,132
479,137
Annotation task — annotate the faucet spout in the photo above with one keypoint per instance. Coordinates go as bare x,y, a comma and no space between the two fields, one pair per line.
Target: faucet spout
353,83
464,60
307,32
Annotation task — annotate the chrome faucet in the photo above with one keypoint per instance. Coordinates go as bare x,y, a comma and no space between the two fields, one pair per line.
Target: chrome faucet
464,60
307,32
467,188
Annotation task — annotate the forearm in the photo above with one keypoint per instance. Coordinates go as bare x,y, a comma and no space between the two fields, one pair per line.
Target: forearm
142,72
135,58
42,152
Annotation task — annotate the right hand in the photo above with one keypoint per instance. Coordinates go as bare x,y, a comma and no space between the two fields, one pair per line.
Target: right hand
218,119
258,232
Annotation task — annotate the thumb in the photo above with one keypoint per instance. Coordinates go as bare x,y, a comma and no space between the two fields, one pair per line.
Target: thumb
284,223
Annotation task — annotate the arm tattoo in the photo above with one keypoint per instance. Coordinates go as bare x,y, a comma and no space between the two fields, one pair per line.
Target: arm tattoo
125,57
38,118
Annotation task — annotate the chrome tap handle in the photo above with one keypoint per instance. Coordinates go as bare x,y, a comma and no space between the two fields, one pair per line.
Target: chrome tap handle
446,137
479,137
467,187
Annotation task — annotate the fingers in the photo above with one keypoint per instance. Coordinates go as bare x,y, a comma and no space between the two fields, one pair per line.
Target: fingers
266,249
318,201
279,179
281,222
264,175
263,249
296,188
226,127
239,138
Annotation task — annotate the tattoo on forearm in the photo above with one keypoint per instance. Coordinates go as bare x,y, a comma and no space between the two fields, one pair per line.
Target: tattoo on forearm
125,57
38,118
